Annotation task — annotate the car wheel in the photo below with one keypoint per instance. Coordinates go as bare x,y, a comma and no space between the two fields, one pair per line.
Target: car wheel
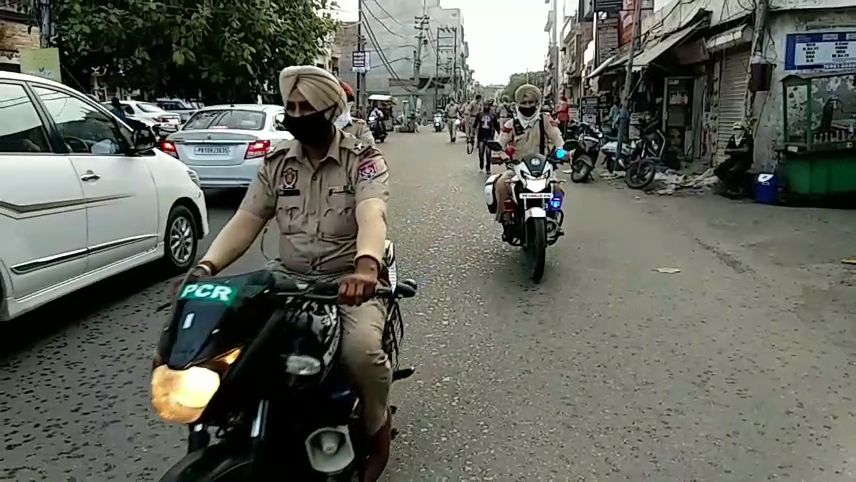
181,240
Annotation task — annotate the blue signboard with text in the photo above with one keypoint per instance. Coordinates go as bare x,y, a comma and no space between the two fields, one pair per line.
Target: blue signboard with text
821,51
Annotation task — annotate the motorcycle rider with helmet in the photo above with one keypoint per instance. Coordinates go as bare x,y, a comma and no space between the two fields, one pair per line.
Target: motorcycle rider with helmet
353,126
328,192
531,132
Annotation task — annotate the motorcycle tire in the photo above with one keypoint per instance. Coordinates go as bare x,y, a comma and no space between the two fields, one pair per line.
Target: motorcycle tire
536,247
640,174
581,170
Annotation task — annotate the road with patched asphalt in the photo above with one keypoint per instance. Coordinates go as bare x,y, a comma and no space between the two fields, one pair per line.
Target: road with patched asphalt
736,368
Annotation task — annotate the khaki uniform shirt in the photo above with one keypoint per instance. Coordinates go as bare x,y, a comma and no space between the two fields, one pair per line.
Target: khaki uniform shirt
360,129
474,108
452,111
315,207
528,143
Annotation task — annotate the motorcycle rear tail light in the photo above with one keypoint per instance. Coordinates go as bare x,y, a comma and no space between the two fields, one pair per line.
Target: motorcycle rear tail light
508,206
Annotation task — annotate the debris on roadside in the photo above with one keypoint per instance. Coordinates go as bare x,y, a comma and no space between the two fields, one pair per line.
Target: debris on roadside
851,261
670,181
668,270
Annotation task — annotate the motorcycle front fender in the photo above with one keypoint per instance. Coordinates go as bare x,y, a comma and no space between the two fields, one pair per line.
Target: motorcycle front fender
215,463
534,213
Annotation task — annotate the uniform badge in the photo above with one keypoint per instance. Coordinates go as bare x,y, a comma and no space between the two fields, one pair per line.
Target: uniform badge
288,183
368,171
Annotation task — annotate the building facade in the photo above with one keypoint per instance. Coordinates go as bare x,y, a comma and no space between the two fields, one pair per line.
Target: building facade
703,65
16,33
393,29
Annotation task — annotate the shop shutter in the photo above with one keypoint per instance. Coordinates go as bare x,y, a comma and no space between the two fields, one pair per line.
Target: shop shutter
732,96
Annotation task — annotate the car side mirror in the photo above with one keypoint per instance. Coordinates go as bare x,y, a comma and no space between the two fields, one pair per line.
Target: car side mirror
143,139
494,146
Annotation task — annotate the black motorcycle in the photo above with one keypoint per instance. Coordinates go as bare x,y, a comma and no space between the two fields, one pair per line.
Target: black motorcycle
252,360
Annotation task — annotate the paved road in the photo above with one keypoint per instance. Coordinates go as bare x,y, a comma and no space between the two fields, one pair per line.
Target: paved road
731,370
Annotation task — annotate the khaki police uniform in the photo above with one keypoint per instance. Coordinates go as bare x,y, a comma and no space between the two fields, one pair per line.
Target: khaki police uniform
361,130
452,111
526,144
472,110
314,208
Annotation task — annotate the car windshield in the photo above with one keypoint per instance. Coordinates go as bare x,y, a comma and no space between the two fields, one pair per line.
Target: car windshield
150,108
174,105
226,119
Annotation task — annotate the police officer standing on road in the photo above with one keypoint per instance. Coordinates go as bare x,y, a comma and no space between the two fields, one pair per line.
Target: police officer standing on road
453,111
328,193
472,109
351,125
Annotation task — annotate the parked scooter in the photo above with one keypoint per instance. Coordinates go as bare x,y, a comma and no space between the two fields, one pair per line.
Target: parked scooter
586,140
439,121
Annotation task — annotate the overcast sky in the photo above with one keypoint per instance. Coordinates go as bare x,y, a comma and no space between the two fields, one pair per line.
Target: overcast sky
505,36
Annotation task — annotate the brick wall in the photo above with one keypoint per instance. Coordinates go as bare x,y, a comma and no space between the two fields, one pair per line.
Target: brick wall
13,37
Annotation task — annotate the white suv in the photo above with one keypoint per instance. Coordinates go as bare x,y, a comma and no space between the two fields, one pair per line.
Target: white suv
82,197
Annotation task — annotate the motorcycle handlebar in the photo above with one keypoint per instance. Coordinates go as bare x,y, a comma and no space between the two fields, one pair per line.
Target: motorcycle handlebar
327,291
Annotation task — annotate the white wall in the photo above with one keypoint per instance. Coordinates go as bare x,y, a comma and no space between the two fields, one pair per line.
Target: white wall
769,105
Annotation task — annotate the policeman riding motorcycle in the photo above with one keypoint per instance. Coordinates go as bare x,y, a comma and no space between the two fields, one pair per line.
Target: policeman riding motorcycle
527,198
292,365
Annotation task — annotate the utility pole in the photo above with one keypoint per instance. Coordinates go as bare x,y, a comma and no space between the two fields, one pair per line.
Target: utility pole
628,78
45,19
360,48
455,66
420,25
437,72
762,9
554,50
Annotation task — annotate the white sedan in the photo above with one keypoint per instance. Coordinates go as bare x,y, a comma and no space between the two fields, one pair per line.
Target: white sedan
225,144
82,197
146,111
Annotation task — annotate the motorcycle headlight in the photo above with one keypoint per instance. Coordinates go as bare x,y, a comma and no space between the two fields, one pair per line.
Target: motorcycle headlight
181,396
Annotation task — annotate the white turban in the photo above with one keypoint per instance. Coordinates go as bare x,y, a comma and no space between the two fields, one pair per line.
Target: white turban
320,88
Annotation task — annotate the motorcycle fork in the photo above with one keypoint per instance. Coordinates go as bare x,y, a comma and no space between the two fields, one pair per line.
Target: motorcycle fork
198,438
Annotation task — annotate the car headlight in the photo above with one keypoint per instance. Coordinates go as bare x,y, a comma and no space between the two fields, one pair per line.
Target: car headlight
302,365
181,395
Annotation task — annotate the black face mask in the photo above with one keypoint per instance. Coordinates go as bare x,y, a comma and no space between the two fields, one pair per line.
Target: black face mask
313,130
528,111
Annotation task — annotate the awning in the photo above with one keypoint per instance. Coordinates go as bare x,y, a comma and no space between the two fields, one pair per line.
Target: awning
600,68
652,51
741,34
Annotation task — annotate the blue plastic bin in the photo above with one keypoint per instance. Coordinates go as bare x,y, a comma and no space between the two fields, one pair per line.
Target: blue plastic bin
767,188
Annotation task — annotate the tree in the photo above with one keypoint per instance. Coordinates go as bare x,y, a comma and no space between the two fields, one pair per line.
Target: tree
516,80
221,50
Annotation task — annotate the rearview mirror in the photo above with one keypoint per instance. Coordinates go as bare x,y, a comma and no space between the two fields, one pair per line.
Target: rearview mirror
494,146
143,139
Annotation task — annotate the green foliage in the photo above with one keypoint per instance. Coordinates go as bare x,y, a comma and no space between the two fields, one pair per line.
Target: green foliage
221,50
516,80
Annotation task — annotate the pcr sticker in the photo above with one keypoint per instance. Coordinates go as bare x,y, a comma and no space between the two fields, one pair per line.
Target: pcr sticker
209,292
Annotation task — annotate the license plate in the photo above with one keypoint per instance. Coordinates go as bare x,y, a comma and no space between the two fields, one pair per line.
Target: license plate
535,195
210,151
